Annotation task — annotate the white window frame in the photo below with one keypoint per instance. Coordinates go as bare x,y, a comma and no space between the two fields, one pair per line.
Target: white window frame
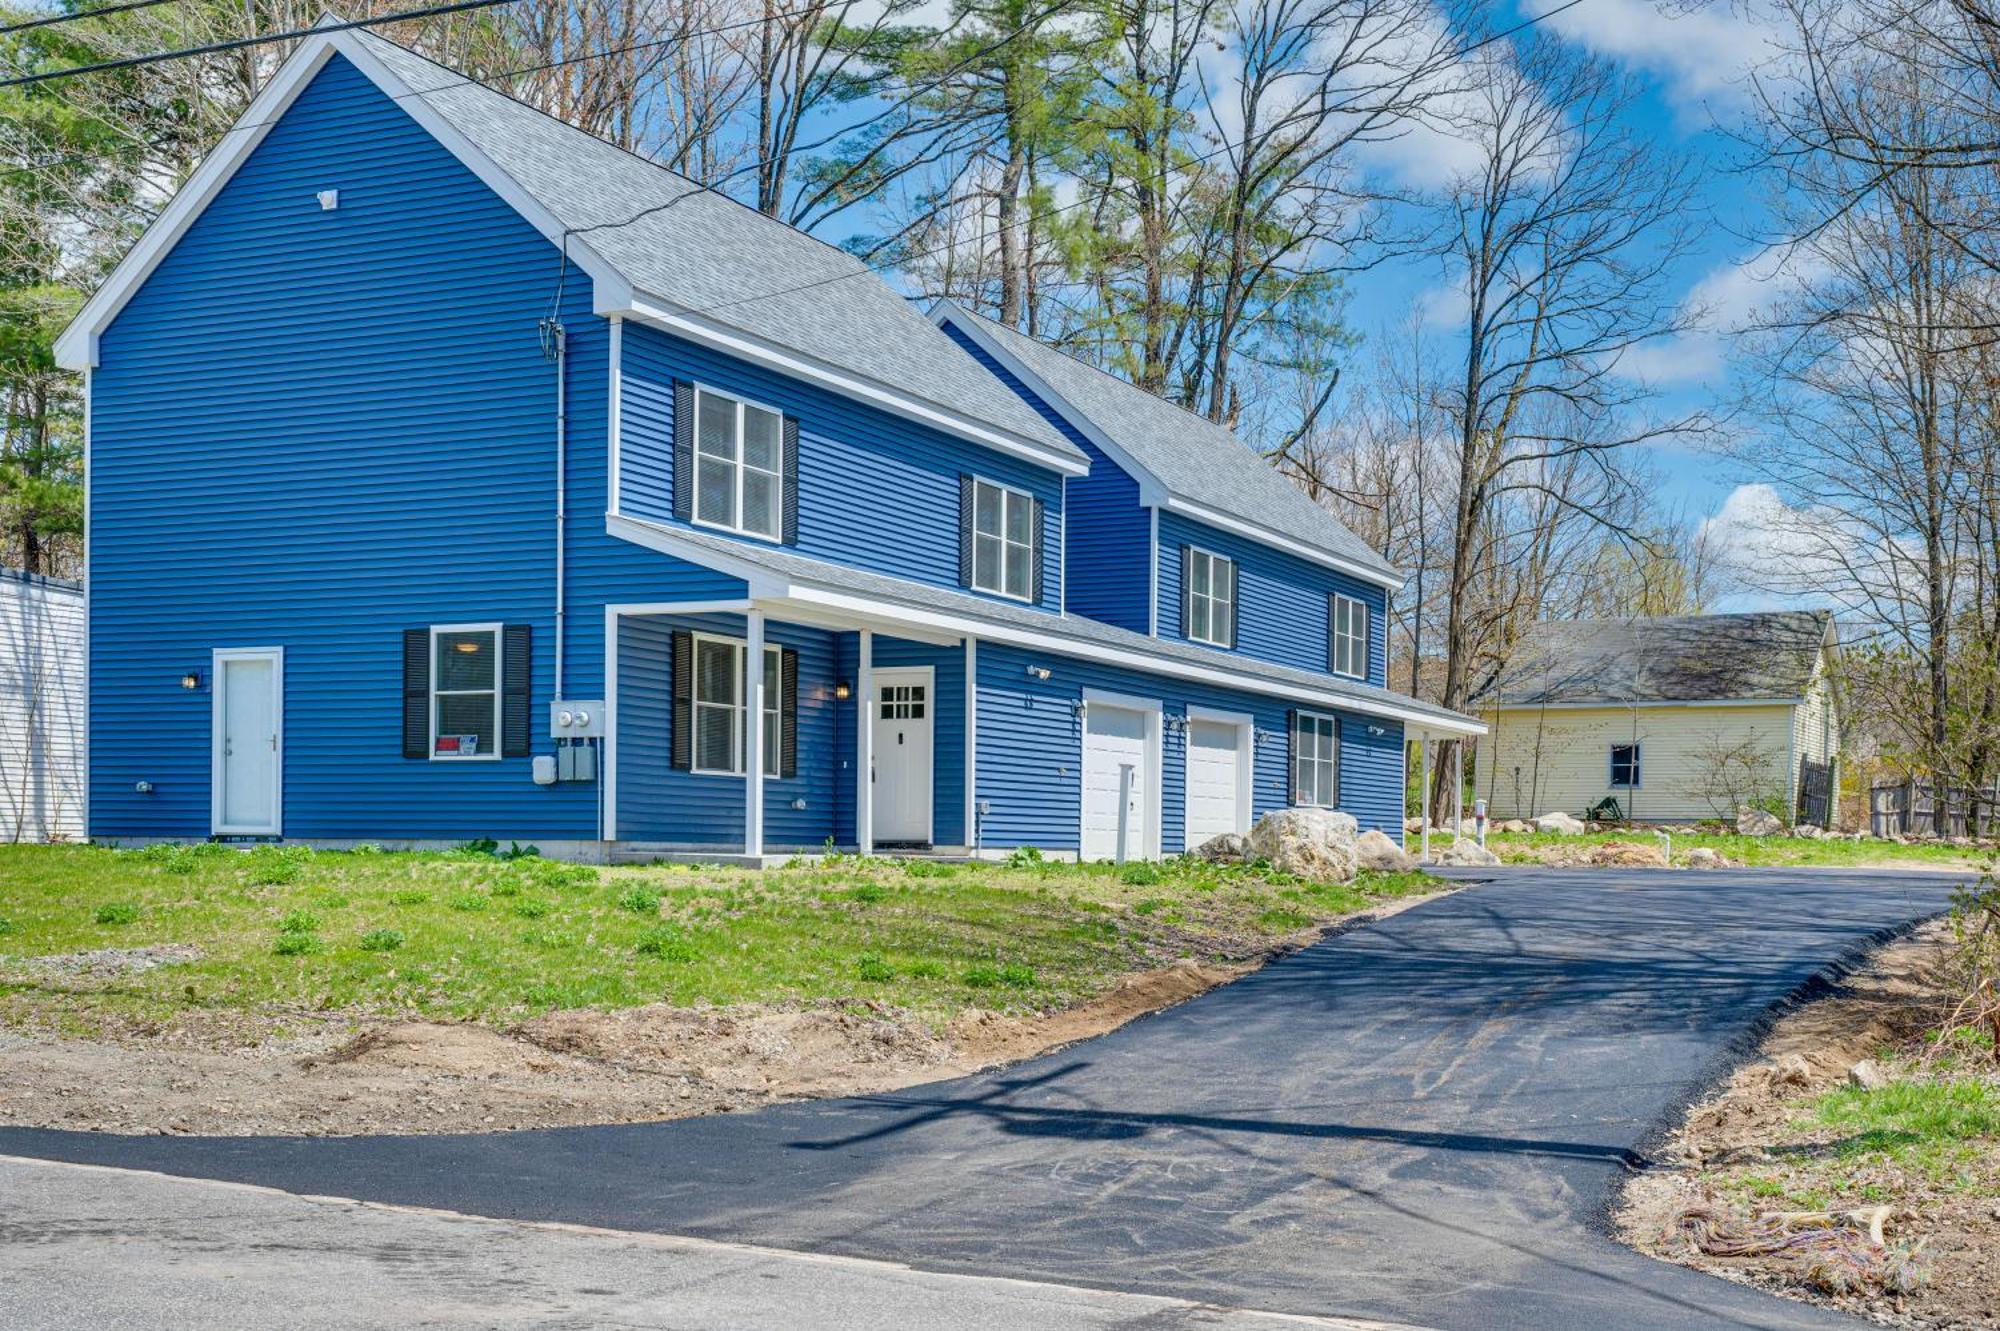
1332,760
1217,605
774,705
1359,642
1008,495
1638,766
739,468
499,674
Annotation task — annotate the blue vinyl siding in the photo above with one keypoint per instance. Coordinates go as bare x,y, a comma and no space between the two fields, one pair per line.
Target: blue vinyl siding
1030,750
659,803
876,491
316,429
1109,534
1282,608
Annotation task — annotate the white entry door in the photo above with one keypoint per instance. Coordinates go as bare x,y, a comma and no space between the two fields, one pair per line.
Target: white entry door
1217,788
248,738
905,718
1118,798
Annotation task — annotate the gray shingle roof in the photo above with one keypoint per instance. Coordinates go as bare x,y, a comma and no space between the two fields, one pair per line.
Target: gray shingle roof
705,253
1056,628
1190,455
1679,658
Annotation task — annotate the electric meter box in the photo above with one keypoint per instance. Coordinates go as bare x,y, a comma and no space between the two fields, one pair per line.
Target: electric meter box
577,720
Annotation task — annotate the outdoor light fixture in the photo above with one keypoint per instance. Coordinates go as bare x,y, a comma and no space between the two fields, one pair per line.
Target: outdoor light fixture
1038,672
191,680
843,691
1377,731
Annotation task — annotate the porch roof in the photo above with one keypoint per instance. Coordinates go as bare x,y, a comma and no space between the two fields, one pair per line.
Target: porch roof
815,591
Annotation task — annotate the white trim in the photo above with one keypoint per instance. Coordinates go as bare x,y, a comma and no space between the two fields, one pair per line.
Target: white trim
738,465
1153,492
1228,641
499,632
765,585
1292,755
615,415
77,347
864,745
1153,577
971,741
1062,560
89,525
752,684
1155,713
927,675
1639,706
1334,600
1246,770
216,658
1611,764
607,817
1034,539
652,309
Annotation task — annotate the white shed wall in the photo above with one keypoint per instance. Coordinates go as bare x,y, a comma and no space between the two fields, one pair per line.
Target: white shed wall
41,710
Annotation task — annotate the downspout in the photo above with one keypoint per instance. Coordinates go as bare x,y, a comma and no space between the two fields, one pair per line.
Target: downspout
555,346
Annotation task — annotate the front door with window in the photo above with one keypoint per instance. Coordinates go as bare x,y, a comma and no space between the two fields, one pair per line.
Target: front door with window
248,741
904,721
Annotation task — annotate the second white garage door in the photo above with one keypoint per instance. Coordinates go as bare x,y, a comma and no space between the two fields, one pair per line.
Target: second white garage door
1118,798
1216,784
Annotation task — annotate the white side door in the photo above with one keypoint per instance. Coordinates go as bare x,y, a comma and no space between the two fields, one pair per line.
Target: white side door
905,720
1118,796
247,758
1216,785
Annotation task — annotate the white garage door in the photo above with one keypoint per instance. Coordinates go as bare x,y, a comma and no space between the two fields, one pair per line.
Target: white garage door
1214,781
1117,799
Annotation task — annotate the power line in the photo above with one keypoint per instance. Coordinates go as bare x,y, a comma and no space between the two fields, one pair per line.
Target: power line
239,43
79,17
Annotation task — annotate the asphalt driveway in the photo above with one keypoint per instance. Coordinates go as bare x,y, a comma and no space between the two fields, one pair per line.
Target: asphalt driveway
1420,1121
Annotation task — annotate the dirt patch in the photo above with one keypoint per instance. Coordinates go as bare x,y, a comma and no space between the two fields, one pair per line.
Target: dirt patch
1752,1187
107,962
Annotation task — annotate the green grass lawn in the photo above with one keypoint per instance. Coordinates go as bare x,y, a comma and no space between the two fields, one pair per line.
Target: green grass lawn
1518,848
474,936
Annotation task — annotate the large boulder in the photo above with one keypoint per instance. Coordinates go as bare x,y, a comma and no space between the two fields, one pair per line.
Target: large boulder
1701,857
1314,844
1808,831
1756,822
1467,852
1225,848
1373,850
1559,822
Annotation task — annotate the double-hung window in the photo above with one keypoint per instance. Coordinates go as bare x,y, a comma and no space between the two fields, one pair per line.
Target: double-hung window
718,708
465,691
1625,765
1003,541
1315,759
739,465
1211,598
1349,627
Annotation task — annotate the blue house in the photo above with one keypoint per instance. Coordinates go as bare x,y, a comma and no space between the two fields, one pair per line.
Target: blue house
455,474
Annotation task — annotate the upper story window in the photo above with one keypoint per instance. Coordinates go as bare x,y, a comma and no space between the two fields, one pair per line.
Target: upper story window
1349,631
1211,598
718,709
1315,759
739,465
465,691
1003,540
1625,765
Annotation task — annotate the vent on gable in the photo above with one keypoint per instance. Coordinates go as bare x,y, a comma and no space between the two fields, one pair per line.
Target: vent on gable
329,199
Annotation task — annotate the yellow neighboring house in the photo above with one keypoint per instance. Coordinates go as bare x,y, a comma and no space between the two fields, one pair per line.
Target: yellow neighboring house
1678,718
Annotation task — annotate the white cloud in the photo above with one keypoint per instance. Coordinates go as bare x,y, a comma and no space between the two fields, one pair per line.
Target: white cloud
1700,51
1727,300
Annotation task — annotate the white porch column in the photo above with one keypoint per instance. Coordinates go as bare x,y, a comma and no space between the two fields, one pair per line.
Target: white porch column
971,743
1457,790
753,735
864,746
1424,789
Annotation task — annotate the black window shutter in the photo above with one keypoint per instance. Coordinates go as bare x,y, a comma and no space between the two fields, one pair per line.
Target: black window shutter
681,726
965,531
1035,556
788,712
1235,600
683,449
1292,754
516,677
1187,591
416,693
790,530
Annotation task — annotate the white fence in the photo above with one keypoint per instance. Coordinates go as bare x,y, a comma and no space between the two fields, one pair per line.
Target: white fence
41,709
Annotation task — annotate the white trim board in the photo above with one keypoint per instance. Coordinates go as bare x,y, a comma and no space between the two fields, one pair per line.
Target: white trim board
216,658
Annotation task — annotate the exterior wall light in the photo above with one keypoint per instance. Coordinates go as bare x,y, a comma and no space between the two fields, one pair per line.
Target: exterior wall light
1039,672
191,680
843,691
1377,731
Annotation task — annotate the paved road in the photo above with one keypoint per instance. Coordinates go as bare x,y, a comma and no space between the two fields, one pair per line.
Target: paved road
1421,1121
106,1250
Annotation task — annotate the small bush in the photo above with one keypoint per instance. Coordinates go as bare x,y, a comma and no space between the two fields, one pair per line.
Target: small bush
409,896
639,900
291,944
484,846
381,940
980,977
7,926
926,969
299,922
1139,874
470,901
1024,857
116,912
1016,976
869,892
874,970
532,908
667,943
928,869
